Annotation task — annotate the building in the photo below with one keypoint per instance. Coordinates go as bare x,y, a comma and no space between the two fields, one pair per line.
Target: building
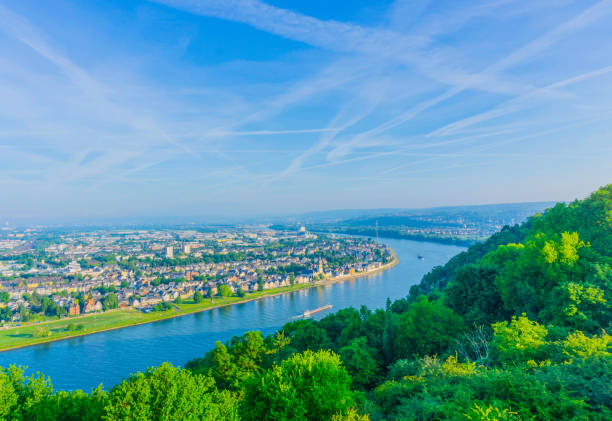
187,249
74,267
74,310
169,252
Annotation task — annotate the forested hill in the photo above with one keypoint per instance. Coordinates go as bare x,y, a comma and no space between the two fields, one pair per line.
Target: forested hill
589,218
513,329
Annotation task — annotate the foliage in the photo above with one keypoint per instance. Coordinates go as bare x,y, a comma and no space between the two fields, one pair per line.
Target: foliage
232,363
474,295
428,327
41,332
308,386
163,306
359,359
169,393
520,340
224,290
581,346
490,413
110,301
32,398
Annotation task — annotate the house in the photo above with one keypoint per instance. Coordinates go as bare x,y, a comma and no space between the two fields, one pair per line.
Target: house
74,310
89,306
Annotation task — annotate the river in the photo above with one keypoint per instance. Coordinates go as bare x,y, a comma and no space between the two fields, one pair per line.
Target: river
108,357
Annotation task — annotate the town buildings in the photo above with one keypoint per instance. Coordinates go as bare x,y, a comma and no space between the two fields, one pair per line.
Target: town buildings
77,271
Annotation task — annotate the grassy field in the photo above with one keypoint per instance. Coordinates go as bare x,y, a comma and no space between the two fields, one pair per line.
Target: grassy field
16,337
29,334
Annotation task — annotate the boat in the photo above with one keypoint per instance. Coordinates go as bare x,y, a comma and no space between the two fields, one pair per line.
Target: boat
309,313
420,257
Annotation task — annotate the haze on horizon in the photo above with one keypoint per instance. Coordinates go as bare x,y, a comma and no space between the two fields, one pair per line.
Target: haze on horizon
234,107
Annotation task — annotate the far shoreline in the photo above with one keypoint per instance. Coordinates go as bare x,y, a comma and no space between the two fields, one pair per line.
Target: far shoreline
163,316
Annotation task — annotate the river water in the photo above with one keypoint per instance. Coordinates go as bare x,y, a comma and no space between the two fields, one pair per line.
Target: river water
108,357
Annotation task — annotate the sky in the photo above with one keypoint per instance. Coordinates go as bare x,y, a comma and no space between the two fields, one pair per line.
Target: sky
204,108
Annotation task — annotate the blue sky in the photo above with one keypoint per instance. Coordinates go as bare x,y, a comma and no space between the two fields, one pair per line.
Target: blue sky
196,108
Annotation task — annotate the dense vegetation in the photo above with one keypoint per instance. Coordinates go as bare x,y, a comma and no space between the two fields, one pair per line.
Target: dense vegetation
512,329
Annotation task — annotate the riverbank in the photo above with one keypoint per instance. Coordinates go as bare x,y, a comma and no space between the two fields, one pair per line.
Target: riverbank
398,235
23,336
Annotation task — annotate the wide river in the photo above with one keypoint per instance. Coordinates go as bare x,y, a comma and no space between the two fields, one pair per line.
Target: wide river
108,357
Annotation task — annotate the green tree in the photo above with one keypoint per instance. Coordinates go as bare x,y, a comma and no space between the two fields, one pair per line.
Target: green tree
232,363
358,358
4,297
169,393
41,332
32,398
474,295
519,341
308,386
306,335
224,290
110,301
427,328
578,345
198,297
6,314
35,299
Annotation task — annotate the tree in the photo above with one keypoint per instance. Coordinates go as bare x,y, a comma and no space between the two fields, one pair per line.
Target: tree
4,297
198,297
427,328
41,332
225,290
308,386
474,295
240,292
35,299
48,306
577,345
169,393
6,314
24,314
232,363
518,341
110,301
308,336
358,358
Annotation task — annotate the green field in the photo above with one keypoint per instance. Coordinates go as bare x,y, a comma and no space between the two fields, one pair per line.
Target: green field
15,337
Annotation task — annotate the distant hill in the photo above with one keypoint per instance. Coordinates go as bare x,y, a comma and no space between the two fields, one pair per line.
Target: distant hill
461,225
501,210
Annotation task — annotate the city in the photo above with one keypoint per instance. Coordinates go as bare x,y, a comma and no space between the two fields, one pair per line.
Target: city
47,276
